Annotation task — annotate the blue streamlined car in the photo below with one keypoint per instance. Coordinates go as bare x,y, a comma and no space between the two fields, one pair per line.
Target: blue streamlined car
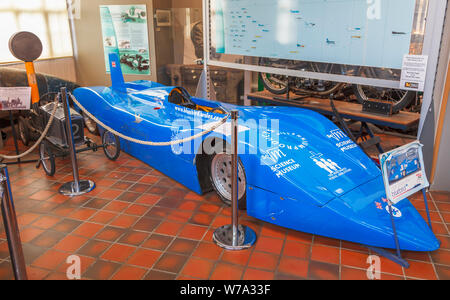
302,173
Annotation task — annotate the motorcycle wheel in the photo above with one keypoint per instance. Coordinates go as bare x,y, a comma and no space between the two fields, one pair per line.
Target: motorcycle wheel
401,99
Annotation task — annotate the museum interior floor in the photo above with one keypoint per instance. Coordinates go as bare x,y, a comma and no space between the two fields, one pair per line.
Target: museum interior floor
139,224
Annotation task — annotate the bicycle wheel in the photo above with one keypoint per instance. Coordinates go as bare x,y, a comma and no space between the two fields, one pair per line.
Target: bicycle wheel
111,145
276,84
400,98
47,158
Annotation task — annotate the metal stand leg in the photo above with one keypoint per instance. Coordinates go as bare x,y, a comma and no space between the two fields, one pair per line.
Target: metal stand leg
234,236
427,209
11,226
13,129
395,258
76,187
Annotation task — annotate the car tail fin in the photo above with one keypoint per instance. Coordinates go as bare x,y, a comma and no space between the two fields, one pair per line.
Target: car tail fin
116,72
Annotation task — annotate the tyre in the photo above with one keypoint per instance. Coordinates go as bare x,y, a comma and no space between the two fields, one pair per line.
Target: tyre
276,84
220,176
90,124
401,99
111,145
47,158
24,131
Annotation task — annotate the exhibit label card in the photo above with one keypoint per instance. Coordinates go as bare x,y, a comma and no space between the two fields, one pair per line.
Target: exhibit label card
15,98
414,72
125,32
403,172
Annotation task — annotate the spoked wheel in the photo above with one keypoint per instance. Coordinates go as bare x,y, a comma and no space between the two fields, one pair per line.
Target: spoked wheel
24,131
111,145
90,124
47,158
221,179
276,84
400,98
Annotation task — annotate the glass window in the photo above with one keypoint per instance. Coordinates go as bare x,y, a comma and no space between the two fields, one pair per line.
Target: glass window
48,19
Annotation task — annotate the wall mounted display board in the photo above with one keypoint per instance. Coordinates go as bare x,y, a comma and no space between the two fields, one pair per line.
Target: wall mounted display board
125,32
353,41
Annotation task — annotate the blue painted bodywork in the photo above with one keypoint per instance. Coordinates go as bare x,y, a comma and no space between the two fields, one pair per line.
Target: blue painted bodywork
309,177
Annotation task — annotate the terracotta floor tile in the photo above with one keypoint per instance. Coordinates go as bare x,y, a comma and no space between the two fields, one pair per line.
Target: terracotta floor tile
134,238
171,262
82,214
70,243
158,242
323,271
116,206
50,259
36,273
118,253
353,274
421,270
137,210
296,249
169,228
236,257
183,246
146,224
96,203
88,230
159,275
109,194
129,273
101,270
46,222
268,244
144,258
66,225
224,271
103,217
124,221
263,260
441,257
325,254
93,248
254,274
110,234
28,234
148,199
194,232
354,259
443,272
208,250
293,266
198,268
47,239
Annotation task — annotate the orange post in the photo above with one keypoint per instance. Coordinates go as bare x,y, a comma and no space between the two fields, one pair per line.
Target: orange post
32,82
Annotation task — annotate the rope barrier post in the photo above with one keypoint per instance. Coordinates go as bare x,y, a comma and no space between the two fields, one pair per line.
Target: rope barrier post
75,187
11,226
234,236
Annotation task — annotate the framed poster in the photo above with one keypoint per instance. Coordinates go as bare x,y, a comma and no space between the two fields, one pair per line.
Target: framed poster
15,98
403,172
125,32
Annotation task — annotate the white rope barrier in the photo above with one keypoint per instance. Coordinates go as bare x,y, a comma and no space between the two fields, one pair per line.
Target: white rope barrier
149,143
41,138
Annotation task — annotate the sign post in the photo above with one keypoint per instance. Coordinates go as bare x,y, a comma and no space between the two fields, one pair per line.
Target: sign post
403,175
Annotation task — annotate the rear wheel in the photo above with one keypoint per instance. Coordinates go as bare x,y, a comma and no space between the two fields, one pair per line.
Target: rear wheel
111,145
47,158
221,176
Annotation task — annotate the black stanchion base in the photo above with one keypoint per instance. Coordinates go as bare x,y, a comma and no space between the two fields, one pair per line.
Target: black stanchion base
69,188
223,237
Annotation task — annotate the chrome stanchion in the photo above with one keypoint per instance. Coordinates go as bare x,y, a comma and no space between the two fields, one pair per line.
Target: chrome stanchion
11,226
234,236
75,187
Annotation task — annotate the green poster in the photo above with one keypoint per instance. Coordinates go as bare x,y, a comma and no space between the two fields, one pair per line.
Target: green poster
125,32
